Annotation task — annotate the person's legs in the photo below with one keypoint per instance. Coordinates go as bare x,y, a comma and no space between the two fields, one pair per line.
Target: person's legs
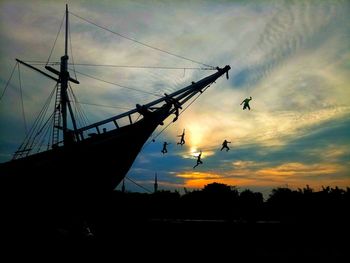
176,115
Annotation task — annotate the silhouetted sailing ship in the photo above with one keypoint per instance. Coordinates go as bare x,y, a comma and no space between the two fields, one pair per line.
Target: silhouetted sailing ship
90,158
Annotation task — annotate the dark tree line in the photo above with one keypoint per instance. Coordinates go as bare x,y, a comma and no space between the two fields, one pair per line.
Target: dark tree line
114,212
223,202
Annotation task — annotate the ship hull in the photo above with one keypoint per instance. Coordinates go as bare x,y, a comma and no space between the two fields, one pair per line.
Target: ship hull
79,176
99,162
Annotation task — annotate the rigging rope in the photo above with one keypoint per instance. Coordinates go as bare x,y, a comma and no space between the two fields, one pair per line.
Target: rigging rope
55,39
50,135
40,133
49,127
8,81
100,105
84,118
141,67
141,43
21,96
144,188
75,106
145,145
71,51
153,139
41,126
181,112
37,62
28,138
124,87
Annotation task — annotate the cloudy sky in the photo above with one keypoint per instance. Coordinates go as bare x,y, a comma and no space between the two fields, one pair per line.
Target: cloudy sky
292,57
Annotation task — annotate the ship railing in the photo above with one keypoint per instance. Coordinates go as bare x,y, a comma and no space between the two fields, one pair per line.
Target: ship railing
21,153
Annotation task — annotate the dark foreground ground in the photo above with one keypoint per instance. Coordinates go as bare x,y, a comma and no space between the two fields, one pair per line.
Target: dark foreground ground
170,240
218,226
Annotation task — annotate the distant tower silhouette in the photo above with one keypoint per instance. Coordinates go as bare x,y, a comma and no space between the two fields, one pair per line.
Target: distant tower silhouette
155,183
123,187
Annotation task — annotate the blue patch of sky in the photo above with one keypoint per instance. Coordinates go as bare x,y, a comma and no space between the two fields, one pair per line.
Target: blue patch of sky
332,133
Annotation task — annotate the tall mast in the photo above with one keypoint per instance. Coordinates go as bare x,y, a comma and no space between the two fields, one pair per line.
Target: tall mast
62,99
64,75
64,82
66,38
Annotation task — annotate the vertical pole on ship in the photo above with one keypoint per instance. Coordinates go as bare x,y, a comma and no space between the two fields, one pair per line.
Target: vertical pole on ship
64,82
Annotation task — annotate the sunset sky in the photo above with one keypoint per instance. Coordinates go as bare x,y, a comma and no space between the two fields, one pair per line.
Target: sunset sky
292,57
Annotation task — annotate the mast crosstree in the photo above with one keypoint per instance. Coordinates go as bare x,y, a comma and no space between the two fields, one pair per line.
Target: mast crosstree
62,102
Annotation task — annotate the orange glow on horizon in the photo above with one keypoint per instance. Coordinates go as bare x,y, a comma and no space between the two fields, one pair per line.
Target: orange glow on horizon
250,174
246,183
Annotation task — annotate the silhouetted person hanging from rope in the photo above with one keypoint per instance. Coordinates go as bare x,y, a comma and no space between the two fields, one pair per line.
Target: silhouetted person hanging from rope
224,146
175,103
246,103
199,161
165,150
182,140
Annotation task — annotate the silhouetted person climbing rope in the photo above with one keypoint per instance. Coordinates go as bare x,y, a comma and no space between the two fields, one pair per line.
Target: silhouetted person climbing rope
224,146
246,103
199,161
175,103
165,150
182,140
